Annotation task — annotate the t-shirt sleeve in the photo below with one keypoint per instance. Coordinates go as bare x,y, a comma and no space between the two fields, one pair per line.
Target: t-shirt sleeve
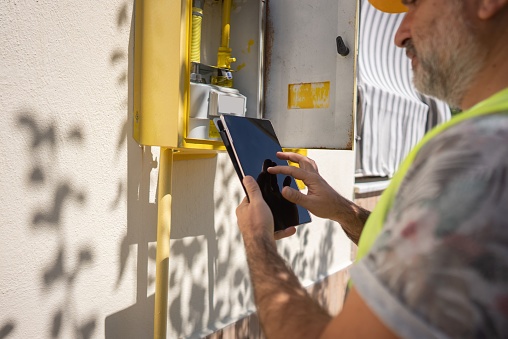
439,268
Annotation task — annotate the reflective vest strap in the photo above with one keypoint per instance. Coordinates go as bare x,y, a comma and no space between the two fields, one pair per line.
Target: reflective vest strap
498,103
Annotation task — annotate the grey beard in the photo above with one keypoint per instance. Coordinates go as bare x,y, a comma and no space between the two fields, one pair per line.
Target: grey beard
451,62
448,81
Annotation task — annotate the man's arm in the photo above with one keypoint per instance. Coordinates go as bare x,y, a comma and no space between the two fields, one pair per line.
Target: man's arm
321,199
285,309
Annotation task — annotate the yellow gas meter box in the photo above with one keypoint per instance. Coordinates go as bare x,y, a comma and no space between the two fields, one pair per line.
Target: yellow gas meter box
290,61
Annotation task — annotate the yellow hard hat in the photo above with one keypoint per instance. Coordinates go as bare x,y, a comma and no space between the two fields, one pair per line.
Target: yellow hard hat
389,6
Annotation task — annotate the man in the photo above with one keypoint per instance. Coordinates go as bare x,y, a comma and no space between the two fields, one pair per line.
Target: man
433,255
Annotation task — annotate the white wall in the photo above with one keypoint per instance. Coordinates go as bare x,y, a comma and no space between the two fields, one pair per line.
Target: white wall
78,195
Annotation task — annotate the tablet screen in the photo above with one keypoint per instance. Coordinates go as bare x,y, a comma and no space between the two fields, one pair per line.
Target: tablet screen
254,145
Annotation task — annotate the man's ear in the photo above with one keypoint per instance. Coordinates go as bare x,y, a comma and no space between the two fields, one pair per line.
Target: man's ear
488,8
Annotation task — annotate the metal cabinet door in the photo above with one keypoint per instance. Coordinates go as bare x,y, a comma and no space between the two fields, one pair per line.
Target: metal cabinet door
309,89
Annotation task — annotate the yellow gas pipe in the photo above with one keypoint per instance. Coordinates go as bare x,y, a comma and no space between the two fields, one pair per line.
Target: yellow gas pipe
224,58
163,233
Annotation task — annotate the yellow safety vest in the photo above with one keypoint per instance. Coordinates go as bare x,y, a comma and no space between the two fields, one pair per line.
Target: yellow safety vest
498,103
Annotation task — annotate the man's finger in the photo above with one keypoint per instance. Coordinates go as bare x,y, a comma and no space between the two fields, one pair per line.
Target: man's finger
292,195
252,188
293,171
302,160
294,157
285,233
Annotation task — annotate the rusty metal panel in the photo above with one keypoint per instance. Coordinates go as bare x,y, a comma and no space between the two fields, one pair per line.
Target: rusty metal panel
301,48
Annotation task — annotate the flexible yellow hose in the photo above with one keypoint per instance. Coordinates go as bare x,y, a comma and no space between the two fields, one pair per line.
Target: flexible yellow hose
197,17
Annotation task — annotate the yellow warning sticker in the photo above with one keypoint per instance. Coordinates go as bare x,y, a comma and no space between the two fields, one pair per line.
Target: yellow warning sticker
309,95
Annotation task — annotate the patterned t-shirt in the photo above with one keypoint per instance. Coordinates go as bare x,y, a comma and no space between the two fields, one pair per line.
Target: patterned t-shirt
439,268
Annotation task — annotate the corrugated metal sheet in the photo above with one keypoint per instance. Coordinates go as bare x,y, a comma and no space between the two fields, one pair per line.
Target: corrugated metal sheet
392,115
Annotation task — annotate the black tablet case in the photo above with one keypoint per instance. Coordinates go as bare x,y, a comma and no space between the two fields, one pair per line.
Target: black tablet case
252,146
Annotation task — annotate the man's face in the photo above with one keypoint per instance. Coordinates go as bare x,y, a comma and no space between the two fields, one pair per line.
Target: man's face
445,54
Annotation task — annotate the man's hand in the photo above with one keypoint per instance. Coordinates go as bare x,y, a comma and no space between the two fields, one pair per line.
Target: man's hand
285,213
254,218
321,199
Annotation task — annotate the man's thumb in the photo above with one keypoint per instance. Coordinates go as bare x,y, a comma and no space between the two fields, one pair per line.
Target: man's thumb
252,188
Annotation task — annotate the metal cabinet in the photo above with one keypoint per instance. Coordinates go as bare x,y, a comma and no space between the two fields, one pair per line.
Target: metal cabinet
309,87
287,67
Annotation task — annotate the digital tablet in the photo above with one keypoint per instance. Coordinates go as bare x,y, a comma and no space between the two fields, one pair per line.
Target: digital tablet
252,146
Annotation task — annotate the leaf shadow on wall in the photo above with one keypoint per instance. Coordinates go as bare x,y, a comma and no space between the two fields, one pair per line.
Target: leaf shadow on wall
188,213
193,245
45,176
45,137
137,320
7,329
